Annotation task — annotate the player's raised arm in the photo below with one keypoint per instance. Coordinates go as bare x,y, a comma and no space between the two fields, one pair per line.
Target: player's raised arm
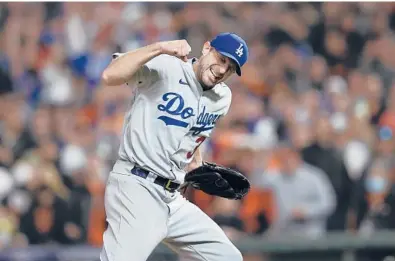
122,69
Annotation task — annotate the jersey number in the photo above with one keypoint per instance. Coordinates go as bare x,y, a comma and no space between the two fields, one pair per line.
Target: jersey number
199,142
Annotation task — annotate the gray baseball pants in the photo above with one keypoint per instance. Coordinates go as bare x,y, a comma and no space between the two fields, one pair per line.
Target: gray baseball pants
141,214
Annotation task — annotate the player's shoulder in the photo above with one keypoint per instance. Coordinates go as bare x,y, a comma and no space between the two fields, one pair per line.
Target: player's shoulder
222,96
168,64
163,65
222,91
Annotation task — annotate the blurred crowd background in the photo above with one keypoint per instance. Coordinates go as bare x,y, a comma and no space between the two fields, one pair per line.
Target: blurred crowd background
311,124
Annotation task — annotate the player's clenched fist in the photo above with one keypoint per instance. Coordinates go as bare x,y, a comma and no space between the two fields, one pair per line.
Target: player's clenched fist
178,48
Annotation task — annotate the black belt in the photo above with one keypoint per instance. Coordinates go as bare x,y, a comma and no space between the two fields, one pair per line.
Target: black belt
167,184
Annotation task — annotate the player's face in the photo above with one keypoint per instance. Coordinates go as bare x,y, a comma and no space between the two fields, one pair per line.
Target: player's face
214,67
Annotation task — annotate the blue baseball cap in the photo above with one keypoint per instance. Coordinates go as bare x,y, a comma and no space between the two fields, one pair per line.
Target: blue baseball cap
232,46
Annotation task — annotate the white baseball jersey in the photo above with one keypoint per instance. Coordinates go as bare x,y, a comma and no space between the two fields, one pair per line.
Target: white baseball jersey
170,116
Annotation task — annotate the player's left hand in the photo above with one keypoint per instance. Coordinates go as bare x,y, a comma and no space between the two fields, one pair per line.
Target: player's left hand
219,181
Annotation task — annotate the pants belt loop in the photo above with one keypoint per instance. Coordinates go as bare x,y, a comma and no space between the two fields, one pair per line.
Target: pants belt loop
151,177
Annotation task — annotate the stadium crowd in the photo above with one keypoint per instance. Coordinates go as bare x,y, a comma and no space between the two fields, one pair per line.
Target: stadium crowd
311,124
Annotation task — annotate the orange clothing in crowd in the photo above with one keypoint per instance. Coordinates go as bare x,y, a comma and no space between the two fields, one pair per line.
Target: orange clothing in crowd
388,119
257,201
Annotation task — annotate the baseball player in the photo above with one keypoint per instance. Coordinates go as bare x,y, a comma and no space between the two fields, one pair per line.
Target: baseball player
176,104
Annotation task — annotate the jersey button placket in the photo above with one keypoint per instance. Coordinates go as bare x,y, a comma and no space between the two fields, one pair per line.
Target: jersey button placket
198,110
194,124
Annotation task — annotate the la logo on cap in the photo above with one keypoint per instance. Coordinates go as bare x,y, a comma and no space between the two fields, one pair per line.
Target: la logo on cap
239,51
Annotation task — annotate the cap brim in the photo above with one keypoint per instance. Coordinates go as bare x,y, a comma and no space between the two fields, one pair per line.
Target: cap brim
238,69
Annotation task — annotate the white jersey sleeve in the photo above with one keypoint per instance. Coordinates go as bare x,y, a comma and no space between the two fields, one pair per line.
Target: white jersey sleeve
149,73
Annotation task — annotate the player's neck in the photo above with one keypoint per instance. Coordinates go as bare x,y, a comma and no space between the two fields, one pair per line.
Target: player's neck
195,66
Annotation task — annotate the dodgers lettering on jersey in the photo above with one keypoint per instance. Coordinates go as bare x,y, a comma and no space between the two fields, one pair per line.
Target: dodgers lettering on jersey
175,106
170,116
206,121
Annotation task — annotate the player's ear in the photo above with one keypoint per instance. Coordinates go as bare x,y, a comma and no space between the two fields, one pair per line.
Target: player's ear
206,48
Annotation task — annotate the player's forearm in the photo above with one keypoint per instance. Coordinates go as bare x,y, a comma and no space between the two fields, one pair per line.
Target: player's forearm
198,159
196,162
122,69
